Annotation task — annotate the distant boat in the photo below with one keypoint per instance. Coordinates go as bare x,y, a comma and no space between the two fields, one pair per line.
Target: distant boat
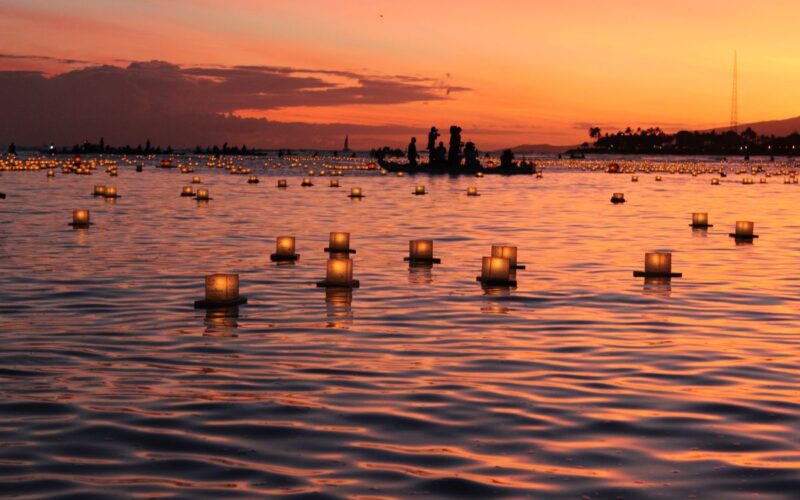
577,156
447,168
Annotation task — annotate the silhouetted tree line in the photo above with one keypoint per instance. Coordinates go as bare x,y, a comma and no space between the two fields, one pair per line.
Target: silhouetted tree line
655,141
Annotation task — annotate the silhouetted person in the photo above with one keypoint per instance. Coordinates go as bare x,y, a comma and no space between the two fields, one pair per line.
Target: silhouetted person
12,149
507,159
441,152
412,152
432,136
454,154
470,155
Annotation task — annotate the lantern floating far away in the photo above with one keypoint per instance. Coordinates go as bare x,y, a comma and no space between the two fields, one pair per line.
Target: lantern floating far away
222,290
339,274
420,189
187,191
658,178
507,252
635,178
282,183
334,183
80,219
744,230
99,190
196,180
496,271
657,265
111,192
421,252
356,193
203,195
285,250
715,182
618,198
479,174
306,182
700,220
252,180
339,242
472,191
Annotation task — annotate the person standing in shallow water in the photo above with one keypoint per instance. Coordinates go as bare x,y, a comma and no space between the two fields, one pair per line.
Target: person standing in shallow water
470,155
454,155
440,152
432,136
412,152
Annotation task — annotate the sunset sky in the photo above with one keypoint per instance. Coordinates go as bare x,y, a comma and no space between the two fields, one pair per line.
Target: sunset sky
508,72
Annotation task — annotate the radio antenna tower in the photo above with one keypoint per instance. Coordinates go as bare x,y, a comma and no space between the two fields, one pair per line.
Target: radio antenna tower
735,98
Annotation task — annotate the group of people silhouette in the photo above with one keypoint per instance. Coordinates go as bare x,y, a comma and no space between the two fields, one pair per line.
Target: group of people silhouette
453,155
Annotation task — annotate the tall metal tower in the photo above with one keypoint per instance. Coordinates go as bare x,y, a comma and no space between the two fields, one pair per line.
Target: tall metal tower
735,98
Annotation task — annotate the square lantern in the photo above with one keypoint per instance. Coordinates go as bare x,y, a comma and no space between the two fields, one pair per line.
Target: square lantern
222,290
285,250
507,252
496,271
420,189
356,193
618,198
252,180
99,190
111,192
635,178
80,219
744,230
715,182
306,182
657,265
282,183
472,191
658,178
339,242
334,183
339,273
700,220
421,251
187,191
195,180
203,195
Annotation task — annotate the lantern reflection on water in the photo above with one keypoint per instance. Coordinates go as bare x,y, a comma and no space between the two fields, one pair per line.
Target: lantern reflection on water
496,271
222,290
339,273
700,220
339,242
421,251
507,252
284,250
80,219
744,230
657,265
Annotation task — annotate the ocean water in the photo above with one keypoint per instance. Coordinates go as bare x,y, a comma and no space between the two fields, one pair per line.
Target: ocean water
580,382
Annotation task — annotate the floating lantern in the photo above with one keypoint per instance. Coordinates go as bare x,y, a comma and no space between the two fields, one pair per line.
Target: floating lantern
539,175
658,178
339,243
282,183
306,182
763,181
635,178
203,195
187,191
618,198
99,190
657,265
400,174
222,290
111,192
507,252
51,173
744,230
496,271
356,193
252,180
139,168
715,182
339,273
196,180
419,190
421,251
80,219
284,250
479,174
334,183
472,191
700,220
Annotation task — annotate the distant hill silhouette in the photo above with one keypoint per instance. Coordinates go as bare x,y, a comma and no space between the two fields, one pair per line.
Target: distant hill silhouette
779,128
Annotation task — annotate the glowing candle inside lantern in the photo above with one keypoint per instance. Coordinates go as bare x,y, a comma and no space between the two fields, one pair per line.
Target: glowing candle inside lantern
472,191
495,269
99,190
252,179
744,228
506,252
222,288
658,178
658,263
419,189
715,182
339,242
111,192
306,181
339,272
202,194
285,246
420,249
281,183
635,178
700,219
355,192
80,218
187,191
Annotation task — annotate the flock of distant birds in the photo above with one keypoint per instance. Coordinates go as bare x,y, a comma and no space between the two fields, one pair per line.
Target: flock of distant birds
497,270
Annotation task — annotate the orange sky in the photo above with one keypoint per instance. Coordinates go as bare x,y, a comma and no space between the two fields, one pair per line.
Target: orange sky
538,72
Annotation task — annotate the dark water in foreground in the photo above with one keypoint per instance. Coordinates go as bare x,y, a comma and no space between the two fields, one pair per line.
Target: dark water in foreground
581,382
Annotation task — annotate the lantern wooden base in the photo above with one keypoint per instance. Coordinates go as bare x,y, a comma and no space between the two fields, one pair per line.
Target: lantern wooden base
356,196
615,202
418,194
79,225
253,182
139,168
742,236
432,260
329,250
204,304
203,199
326,284
112,196
517,266
189,195
645,274
284,258
496,282
478,194
701,226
